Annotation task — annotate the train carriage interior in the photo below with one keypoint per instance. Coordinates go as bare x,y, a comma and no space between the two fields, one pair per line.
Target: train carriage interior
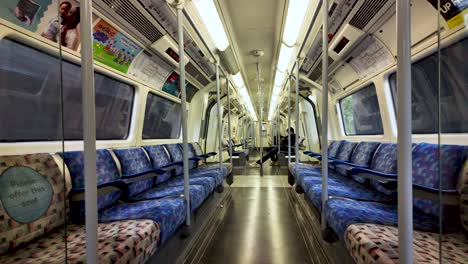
233,131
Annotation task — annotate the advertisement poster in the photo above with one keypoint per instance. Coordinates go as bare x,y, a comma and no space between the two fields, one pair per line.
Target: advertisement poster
453,11
150,69
64,26
171,86
113,48
24,13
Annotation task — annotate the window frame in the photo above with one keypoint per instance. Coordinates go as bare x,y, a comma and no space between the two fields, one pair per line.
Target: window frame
416,58
341,117
165,96
31,42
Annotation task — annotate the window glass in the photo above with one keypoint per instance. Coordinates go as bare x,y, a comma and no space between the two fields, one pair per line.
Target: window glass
453,91
361,113
163,118
30,98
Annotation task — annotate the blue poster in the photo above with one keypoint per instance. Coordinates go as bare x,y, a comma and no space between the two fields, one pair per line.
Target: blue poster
25,194
24,13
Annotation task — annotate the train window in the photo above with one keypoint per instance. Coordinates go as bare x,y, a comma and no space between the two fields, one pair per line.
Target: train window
163,118
453,92
360,113
30,98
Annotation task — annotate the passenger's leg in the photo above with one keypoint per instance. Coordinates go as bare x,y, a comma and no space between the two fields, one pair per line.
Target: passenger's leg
270,154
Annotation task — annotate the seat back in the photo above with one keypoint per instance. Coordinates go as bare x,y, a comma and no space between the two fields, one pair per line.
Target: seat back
107,171
426,162
385,161
176,155
361,155
333,148
159,157
32,198
132,161
345,150
191,154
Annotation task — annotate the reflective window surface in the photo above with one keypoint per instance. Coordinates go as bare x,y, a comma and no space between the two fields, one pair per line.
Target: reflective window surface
361,113
453,91
163,118
30,98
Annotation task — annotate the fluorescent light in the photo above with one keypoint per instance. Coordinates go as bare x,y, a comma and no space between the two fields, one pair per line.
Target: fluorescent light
279,78
294,19
286,53
238,80
276,90
209,15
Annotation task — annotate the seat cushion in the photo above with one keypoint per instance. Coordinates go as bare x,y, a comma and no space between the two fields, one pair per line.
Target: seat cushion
333,178
121,242
217,174
197,194
302,167
341,213
169,213
226,168
209,183
347,189
370,243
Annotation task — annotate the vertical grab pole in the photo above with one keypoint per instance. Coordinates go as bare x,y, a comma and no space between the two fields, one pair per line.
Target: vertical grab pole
89,132
296,146
324,111
218,106
278,129
260,113
405,184
183,97
289,121
229,120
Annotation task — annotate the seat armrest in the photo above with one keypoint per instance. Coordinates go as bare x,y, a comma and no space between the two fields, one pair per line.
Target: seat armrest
209,154
374,175
449,197
348,164
78,194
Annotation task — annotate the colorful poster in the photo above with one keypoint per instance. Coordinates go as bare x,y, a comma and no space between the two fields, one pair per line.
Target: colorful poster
455,12
113,48
64,25
24,13
171,86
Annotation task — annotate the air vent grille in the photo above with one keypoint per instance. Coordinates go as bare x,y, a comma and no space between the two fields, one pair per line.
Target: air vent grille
195,73
135,18
317,71
366,12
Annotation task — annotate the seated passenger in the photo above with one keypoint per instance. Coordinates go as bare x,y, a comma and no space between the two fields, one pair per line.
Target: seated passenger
272,152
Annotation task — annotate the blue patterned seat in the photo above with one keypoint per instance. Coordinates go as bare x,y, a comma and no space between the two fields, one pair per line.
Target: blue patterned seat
176,156
197,194
226,167
208,183
344,151
333,148
169,213
340,213
347,189
361,155
135,160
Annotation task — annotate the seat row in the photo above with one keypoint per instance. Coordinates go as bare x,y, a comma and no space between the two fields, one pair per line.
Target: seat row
140,202
362,209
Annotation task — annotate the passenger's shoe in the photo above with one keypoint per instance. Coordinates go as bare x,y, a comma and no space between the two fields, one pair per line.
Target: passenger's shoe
254,165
